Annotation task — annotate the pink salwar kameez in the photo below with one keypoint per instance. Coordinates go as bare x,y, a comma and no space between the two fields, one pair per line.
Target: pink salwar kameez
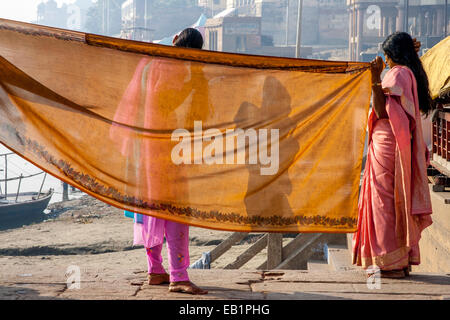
145,88
394,204
151,234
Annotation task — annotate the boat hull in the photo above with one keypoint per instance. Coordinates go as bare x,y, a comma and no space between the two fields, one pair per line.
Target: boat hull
24,211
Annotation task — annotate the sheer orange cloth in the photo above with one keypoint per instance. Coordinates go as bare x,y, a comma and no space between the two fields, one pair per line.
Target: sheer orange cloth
210,139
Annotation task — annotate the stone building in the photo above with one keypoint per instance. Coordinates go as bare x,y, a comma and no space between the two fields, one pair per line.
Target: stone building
135,20
241,3
370,22
110,14
323,21
68,16
242,34
271,12
333,22
49,14
212,7
233,34
148,20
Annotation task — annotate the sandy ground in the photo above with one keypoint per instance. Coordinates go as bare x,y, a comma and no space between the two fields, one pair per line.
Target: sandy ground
93,236
38,260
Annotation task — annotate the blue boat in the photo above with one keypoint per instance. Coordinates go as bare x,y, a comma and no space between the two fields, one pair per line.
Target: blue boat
23,207
20,208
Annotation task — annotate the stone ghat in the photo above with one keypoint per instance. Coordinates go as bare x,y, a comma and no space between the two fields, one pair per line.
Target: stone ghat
107,283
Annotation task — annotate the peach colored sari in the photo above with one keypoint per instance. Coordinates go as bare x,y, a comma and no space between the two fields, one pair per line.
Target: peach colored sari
394,204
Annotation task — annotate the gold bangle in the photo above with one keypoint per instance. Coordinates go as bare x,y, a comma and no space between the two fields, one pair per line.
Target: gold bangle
376,84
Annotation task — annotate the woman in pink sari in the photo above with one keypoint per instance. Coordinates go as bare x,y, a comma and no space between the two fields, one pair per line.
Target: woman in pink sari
394,204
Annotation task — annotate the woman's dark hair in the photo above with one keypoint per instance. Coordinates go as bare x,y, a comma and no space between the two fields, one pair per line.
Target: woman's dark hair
399,47
190,38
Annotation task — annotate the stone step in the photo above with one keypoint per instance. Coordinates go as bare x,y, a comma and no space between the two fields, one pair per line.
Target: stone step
334,256
339,258
113,281
318,266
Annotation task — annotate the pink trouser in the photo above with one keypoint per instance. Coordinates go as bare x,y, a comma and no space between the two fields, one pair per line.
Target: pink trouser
177,240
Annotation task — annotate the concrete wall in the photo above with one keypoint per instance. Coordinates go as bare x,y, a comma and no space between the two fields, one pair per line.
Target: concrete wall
435,242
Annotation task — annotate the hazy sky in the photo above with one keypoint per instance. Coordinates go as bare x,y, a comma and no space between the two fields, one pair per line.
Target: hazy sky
23,10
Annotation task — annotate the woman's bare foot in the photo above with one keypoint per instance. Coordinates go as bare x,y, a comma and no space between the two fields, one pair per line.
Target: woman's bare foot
158,278
186,287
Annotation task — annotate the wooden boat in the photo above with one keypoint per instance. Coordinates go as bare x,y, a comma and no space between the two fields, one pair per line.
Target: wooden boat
23,207
19,208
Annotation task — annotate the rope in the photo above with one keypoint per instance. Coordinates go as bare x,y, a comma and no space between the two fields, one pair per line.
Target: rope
23,177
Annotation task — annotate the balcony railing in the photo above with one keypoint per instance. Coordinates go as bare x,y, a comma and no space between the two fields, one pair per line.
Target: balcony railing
441,142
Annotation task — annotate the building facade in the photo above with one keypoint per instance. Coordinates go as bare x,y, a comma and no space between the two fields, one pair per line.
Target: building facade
370,22
136,20
111,13
323,21
233,34
240,3
333,22
68,16
212,7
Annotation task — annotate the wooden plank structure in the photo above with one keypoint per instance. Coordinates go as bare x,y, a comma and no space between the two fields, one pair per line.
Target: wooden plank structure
441,141
248,254
225,245
441,144
294,255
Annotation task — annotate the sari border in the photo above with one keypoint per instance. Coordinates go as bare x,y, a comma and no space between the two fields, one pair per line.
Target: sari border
189,54
397,259
114,197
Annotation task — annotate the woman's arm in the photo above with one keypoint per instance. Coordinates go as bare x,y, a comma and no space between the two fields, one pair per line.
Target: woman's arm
378,97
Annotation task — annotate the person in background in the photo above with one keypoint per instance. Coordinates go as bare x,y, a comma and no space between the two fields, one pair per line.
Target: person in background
395,204
155,79
176,234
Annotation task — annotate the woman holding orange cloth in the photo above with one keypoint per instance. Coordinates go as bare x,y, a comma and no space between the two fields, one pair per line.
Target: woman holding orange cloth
159,87
395,204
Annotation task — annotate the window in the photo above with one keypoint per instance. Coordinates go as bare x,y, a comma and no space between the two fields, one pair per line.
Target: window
213,40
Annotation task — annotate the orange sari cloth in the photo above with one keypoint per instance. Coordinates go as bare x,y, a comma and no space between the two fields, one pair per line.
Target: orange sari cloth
209,139
395,204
